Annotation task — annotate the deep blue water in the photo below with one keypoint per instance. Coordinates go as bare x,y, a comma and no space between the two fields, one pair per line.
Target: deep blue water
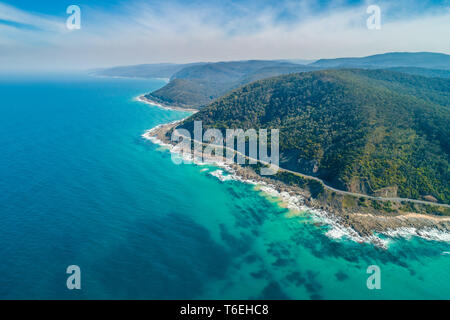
79,186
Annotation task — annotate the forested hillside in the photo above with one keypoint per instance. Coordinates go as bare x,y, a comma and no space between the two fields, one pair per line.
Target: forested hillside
199,85
195,85
369,131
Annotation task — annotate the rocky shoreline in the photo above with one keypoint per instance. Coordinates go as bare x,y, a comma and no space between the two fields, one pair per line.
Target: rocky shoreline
359,225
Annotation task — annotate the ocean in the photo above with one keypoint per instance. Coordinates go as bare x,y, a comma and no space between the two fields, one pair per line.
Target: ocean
80,186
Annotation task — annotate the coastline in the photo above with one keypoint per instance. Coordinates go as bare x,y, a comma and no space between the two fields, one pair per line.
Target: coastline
143,99
360,227
167,80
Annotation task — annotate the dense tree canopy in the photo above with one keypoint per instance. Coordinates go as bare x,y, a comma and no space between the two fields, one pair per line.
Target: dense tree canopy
364,129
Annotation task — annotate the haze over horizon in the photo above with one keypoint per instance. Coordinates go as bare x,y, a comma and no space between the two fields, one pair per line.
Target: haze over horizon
33,36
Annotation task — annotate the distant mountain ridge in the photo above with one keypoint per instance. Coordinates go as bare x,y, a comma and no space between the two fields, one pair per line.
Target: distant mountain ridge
198,84
428,60
204,83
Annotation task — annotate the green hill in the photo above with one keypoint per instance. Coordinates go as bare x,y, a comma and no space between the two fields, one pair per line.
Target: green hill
186,93
364,131
198,85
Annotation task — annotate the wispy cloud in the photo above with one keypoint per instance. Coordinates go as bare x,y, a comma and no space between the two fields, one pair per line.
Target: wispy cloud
23,20
142,32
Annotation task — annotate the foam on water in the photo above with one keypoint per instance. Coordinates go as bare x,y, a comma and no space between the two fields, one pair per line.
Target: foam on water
425,233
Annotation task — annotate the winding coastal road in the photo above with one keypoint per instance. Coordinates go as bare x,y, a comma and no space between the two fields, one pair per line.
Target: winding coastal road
360,195
364,195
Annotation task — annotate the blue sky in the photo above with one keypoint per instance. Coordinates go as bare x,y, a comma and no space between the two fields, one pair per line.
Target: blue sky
33,34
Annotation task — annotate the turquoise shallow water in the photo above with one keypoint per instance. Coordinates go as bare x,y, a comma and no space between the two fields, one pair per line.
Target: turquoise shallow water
80,186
